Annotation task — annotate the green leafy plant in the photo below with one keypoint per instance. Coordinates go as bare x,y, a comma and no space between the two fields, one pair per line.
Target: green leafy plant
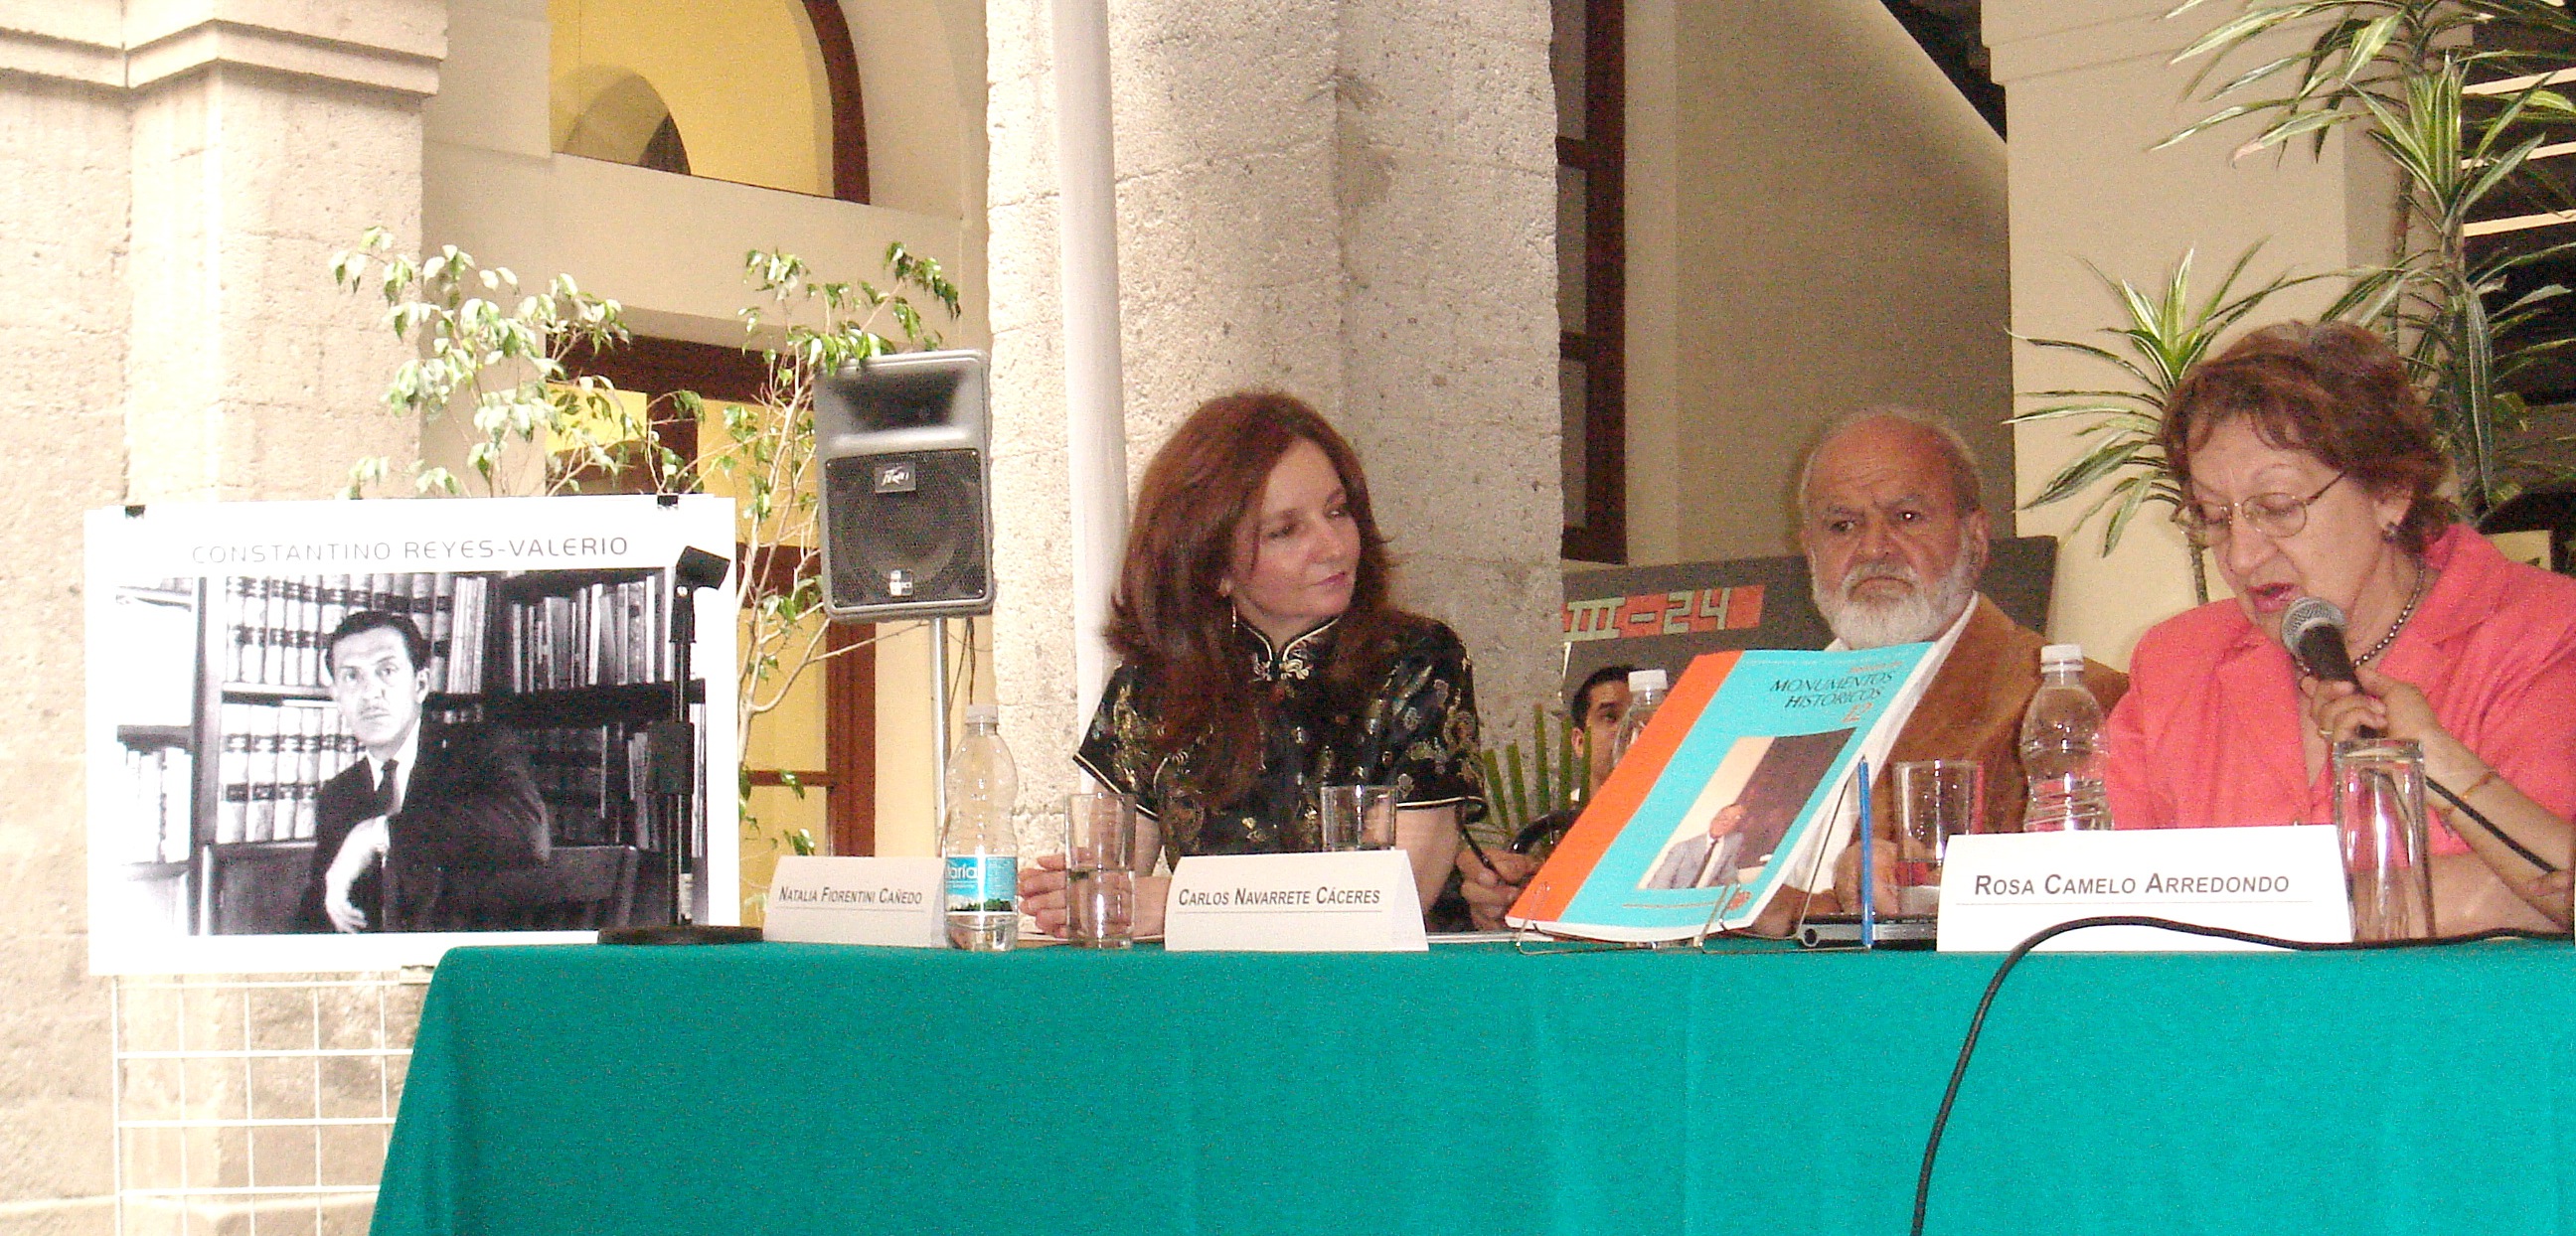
766,458
1519,789
495,357
2167,331
2408,71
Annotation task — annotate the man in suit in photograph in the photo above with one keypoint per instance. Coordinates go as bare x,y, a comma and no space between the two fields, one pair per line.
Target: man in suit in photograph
421,800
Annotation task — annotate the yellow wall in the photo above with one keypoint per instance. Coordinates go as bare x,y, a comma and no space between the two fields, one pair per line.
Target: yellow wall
743,80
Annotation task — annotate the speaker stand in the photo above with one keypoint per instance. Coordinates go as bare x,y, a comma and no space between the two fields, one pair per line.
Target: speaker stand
939,729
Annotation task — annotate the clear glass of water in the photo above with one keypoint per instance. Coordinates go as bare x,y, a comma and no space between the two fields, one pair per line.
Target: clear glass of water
1356,817
2379,810
1935,801
1100,870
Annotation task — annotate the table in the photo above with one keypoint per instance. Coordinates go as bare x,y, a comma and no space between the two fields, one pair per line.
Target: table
806,1089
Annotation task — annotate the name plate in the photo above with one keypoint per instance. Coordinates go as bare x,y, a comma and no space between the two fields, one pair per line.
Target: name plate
1998,889
820,900
1359,901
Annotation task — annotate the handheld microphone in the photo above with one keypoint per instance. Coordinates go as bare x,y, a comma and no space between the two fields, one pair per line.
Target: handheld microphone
2312,629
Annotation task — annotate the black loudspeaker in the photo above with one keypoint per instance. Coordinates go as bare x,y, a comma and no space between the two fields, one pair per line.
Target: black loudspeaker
905,443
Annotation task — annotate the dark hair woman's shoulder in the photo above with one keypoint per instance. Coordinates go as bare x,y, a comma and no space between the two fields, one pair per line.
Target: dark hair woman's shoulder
1411,636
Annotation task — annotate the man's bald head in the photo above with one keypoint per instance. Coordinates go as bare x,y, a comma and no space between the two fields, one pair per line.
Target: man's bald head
1893,422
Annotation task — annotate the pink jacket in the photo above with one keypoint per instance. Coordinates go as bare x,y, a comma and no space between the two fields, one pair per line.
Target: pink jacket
2209,732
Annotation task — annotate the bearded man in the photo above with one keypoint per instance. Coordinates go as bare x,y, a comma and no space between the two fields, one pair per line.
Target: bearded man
1895,532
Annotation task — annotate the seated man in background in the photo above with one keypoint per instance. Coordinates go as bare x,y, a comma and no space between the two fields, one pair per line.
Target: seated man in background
1895,530
1595,710
1894,527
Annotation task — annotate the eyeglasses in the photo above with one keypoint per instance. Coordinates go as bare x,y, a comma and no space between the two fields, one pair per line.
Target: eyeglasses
2276,515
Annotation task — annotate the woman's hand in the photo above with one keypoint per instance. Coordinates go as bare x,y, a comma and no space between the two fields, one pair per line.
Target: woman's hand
1042,894
1490,891
1042,897
2470,890
2394,707
1429,839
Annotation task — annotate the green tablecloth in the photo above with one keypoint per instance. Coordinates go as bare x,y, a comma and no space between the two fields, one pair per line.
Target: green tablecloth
795,1089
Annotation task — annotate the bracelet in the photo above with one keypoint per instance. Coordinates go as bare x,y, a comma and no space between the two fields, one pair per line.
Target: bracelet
2480,783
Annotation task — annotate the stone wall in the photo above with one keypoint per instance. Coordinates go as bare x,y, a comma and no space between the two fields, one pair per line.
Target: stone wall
177,185
63,258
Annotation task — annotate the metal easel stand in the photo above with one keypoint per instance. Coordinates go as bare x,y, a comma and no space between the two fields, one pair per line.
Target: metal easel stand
1532,942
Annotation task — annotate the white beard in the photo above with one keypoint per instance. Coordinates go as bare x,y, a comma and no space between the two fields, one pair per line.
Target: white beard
1918,616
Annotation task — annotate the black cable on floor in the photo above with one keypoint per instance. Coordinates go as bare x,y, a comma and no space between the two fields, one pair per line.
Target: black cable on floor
1977,1024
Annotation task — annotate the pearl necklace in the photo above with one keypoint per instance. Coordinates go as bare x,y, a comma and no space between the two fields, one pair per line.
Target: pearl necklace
2423,575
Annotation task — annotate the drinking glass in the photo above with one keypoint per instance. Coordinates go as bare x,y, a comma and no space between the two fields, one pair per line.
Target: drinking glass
2379,811
1100,870
1935,801
1356,817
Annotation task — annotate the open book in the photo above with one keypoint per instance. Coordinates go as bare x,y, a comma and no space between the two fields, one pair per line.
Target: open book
1740,786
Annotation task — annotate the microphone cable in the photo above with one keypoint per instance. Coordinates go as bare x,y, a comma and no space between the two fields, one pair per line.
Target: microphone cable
2546,868
1977,1024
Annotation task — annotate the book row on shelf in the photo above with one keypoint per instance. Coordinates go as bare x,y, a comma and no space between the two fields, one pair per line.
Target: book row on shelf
587,775
598,635
161,782
593,634
275,759
276,628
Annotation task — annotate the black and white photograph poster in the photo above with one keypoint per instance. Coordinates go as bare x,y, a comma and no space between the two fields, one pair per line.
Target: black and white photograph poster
334,736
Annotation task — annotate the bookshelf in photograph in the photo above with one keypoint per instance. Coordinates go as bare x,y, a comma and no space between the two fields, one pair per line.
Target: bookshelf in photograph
573,664
576,665
153,638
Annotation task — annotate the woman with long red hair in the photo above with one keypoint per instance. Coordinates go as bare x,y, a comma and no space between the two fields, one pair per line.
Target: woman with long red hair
1261,657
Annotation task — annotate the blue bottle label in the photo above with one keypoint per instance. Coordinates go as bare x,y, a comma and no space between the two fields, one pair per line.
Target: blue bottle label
982,882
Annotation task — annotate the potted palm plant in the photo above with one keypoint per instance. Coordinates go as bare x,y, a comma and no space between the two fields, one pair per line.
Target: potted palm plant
2165,332
2454,95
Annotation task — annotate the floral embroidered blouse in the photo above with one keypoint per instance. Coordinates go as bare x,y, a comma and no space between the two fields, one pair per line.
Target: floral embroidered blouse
1416,732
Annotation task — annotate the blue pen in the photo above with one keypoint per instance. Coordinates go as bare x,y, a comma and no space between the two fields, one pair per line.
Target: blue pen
1868,872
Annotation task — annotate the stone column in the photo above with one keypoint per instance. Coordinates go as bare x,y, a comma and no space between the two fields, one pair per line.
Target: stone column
62,257
1446,161
180,173
1350,202
265,137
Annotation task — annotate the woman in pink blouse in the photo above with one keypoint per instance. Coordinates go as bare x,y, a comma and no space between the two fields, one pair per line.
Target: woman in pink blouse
2309,467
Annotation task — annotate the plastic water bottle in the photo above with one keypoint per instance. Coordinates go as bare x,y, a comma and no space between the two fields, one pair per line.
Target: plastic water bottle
1645,694
2062,748
981,852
